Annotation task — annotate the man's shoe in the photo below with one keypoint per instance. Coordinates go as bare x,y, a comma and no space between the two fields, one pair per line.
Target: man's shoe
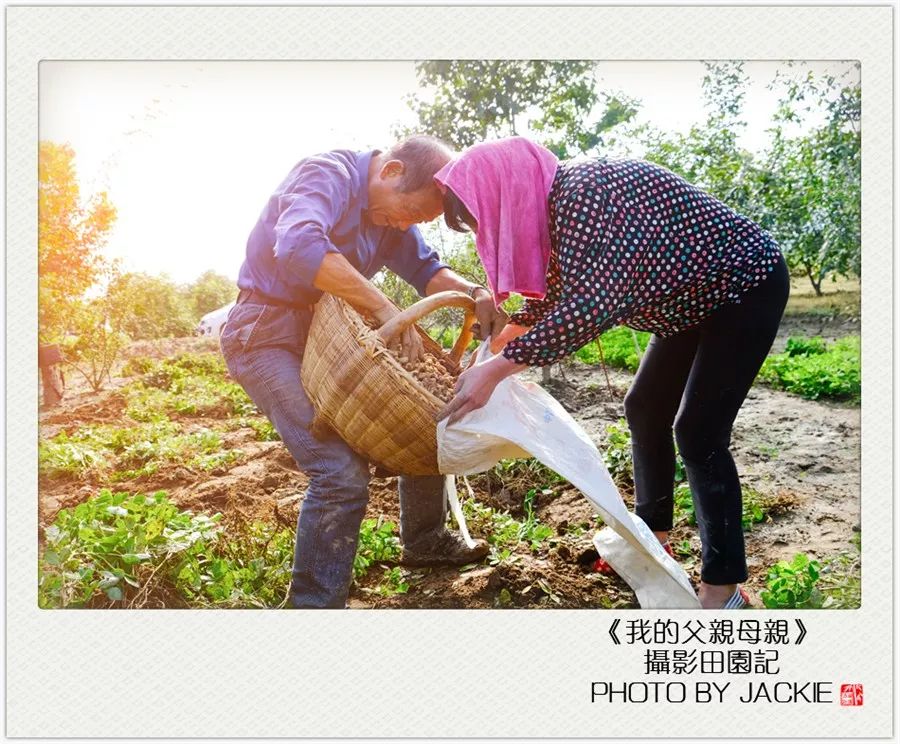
445,549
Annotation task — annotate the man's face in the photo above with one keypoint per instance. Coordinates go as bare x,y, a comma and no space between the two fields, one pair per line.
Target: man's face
388,206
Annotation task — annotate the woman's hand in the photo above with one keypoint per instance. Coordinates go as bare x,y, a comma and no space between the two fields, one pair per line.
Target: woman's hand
475,386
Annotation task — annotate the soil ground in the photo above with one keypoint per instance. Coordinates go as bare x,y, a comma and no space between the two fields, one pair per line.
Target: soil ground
801,454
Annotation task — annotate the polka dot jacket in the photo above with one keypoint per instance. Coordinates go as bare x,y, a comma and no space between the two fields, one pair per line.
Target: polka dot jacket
634,244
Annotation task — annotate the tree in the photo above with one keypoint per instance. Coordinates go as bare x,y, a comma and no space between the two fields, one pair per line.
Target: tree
71,233
149,307
709,155
475,100
97,341
813,191
209,292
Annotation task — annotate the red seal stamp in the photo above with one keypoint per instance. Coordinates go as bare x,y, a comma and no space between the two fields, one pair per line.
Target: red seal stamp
851,694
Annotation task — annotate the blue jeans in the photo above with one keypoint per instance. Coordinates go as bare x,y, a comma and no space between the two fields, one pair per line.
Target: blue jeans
263,348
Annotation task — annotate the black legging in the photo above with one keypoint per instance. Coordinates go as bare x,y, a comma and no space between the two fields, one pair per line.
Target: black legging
696,381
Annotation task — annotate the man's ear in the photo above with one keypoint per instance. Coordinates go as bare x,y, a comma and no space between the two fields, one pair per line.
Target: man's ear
392,169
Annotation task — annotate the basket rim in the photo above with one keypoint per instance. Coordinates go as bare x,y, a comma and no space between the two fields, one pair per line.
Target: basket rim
364,334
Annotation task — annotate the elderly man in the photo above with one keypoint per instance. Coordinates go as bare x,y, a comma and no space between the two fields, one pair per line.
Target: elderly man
336,220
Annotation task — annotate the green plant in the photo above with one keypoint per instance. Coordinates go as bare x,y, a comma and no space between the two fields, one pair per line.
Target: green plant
377,542
139,365
119,548
265,432
832,373
531,530
63,456
754,506
684,504
393,581
840,580
792,585
249,566
130,452
799,346
503,532
683,548
618,348
617,452
528,470
113,542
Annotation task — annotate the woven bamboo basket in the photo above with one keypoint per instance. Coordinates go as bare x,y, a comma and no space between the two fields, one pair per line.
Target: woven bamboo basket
362,392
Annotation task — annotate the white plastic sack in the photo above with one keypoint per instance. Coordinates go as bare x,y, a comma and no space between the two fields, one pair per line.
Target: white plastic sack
522,420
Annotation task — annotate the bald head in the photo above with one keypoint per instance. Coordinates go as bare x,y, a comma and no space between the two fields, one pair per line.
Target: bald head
422,156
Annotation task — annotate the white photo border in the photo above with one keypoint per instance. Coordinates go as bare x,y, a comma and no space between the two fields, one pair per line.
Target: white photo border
421,673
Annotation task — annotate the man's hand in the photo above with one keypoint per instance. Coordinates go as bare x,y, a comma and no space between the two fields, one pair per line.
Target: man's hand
490,319
407,343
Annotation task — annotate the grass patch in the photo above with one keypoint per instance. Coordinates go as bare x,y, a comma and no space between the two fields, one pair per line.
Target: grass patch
619,348
185,385
119,549
815,370
130,452
378,541
505,533
841,578
839,297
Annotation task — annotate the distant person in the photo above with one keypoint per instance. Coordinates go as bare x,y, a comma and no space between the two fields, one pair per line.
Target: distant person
337,219
597,243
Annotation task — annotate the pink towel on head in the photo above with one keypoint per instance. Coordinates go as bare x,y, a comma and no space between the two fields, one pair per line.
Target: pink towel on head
505,185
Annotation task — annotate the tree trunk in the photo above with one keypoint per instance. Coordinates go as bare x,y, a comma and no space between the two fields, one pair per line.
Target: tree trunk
817,286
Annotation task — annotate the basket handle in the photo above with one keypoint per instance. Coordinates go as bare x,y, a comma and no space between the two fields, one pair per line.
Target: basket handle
428,305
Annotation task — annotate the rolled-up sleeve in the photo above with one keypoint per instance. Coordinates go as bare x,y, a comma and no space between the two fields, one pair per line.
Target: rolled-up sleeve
414,260
307,212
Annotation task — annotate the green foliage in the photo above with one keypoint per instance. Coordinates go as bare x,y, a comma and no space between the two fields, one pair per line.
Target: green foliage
797,346
393,582
469,101
812,193
620,348
617,453
151,306
110,543
209,292
72,230
709,155
138,365
378,541
130,452
840,578
96,342
503,532
246,567
265,432
188,384
792,585
831,373
684,504
528,470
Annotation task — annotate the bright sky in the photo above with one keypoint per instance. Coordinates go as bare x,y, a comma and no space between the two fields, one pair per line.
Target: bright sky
190,151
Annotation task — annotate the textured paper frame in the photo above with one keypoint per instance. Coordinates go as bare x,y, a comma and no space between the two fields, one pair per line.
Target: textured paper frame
404,673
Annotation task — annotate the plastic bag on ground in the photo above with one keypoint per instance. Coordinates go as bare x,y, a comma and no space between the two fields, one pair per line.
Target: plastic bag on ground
522,420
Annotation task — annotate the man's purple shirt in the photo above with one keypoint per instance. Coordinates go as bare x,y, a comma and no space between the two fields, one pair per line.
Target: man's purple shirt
321,208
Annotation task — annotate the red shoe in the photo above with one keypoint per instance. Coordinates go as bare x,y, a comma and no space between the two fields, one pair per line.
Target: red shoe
601,566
